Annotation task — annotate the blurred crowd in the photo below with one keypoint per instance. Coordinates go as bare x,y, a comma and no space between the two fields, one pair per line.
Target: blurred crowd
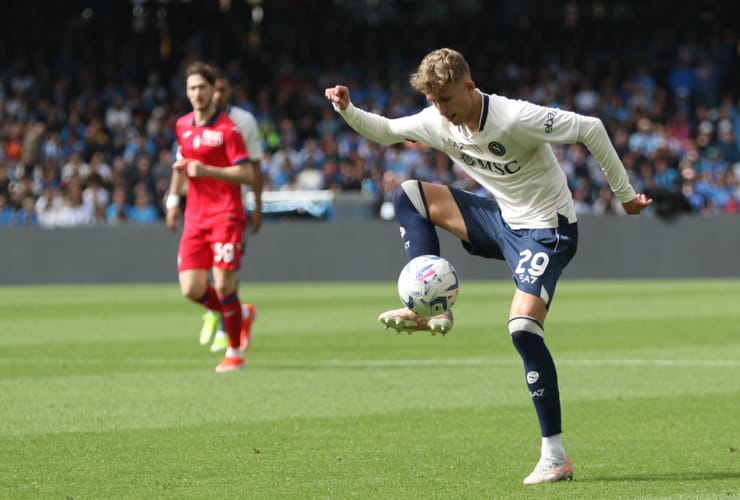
87,111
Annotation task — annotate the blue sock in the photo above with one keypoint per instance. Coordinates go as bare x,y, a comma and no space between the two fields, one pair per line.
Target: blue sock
417,232
539,369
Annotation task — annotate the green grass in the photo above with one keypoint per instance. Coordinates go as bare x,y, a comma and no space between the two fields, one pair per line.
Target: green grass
105,393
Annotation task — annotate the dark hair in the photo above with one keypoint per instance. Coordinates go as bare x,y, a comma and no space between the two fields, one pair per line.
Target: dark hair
205,70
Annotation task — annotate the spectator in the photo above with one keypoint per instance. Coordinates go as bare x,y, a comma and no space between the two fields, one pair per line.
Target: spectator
607,203
695,201
672,94
7,213
119,210
310,177
143,210
95,195
26,214
73,211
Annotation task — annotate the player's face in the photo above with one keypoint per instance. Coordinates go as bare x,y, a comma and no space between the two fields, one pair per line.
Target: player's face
199,91
455,101
221,93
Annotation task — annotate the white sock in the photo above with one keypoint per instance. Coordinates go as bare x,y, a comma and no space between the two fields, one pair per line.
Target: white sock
233,352
552,447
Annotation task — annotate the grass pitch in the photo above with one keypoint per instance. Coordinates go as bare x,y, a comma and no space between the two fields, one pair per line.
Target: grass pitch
105,393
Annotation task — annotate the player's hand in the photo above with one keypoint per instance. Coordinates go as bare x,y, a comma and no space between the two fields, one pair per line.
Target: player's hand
255,221
195,168
180,164
338,95
172,218
637,205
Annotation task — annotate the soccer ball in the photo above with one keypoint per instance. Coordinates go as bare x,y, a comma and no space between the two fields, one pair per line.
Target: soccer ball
428,285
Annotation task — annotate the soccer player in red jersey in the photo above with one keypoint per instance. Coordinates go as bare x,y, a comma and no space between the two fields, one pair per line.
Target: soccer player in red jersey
213,325
214,161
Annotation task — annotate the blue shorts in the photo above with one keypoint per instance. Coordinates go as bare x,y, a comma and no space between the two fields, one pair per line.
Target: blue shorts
536,257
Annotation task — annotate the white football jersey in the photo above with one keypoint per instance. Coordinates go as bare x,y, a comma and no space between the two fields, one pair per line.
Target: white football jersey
510,154
250,133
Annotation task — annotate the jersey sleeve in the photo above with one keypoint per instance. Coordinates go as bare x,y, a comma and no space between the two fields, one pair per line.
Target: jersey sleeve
236,150
390,130
177,148
538,124
593,135
251,135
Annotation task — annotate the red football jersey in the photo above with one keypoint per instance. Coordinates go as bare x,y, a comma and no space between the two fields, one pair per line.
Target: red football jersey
218,143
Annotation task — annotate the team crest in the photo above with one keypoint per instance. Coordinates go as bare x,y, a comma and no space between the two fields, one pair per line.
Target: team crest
497,148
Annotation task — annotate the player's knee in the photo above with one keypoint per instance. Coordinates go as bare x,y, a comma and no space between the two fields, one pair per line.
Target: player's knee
409,197
192,292
519,326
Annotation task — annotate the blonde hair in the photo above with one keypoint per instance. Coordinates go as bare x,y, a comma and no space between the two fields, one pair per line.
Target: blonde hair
439,69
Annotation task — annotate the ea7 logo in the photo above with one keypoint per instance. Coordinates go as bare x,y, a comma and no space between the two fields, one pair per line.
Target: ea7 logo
538,393
550,120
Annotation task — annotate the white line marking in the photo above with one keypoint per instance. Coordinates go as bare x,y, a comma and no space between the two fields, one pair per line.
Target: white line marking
371,363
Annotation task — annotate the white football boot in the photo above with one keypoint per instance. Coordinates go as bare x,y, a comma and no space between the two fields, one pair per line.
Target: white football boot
550,470
406,320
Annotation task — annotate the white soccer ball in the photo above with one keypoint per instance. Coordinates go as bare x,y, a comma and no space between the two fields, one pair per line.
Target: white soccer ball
428,285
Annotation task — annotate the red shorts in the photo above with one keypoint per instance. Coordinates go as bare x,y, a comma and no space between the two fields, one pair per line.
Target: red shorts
219,245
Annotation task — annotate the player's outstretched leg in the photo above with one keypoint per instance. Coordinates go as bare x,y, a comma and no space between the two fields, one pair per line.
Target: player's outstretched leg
406,320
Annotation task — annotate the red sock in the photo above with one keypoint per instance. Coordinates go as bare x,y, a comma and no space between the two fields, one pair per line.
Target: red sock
231,309
210,299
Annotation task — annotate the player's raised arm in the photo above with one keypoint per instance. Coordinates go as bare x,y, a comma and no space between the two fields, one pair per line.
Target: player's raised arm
339,96
375,127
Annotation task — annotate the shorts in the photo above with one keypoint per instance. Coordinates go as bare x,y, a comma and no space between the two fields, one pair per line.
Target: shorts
219,245
536,257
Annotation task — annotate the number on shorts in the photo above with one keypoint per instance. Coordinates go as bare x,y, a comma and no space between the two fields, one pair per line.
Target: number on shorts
537,263
224,252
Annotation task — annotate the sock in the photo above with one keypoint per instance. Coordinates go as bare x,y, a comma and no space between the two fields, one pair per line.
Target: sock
539,368
234,352
231,311
210,299
417,232
552,447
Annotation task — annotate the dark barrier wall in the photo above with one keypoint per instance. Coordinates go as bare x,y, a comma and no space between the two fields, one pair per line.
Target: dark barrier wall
614,247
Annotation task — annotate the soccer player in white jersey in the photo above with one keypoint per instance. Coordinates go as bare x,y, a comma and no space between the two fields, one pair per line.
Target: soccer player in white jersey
529,222
212,321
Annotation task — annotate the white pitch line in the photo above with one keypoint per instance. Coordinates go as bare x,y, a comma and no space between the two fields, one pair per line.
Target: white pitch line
495,362
373,363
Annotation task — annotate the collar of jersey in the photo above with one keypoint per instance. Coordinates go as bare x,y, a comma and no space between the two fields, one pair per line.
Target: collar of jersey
484,112
209,122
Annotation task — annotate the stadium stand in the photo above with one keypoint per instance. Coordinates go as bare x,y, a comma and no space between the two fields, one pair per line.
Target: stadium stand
90,91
